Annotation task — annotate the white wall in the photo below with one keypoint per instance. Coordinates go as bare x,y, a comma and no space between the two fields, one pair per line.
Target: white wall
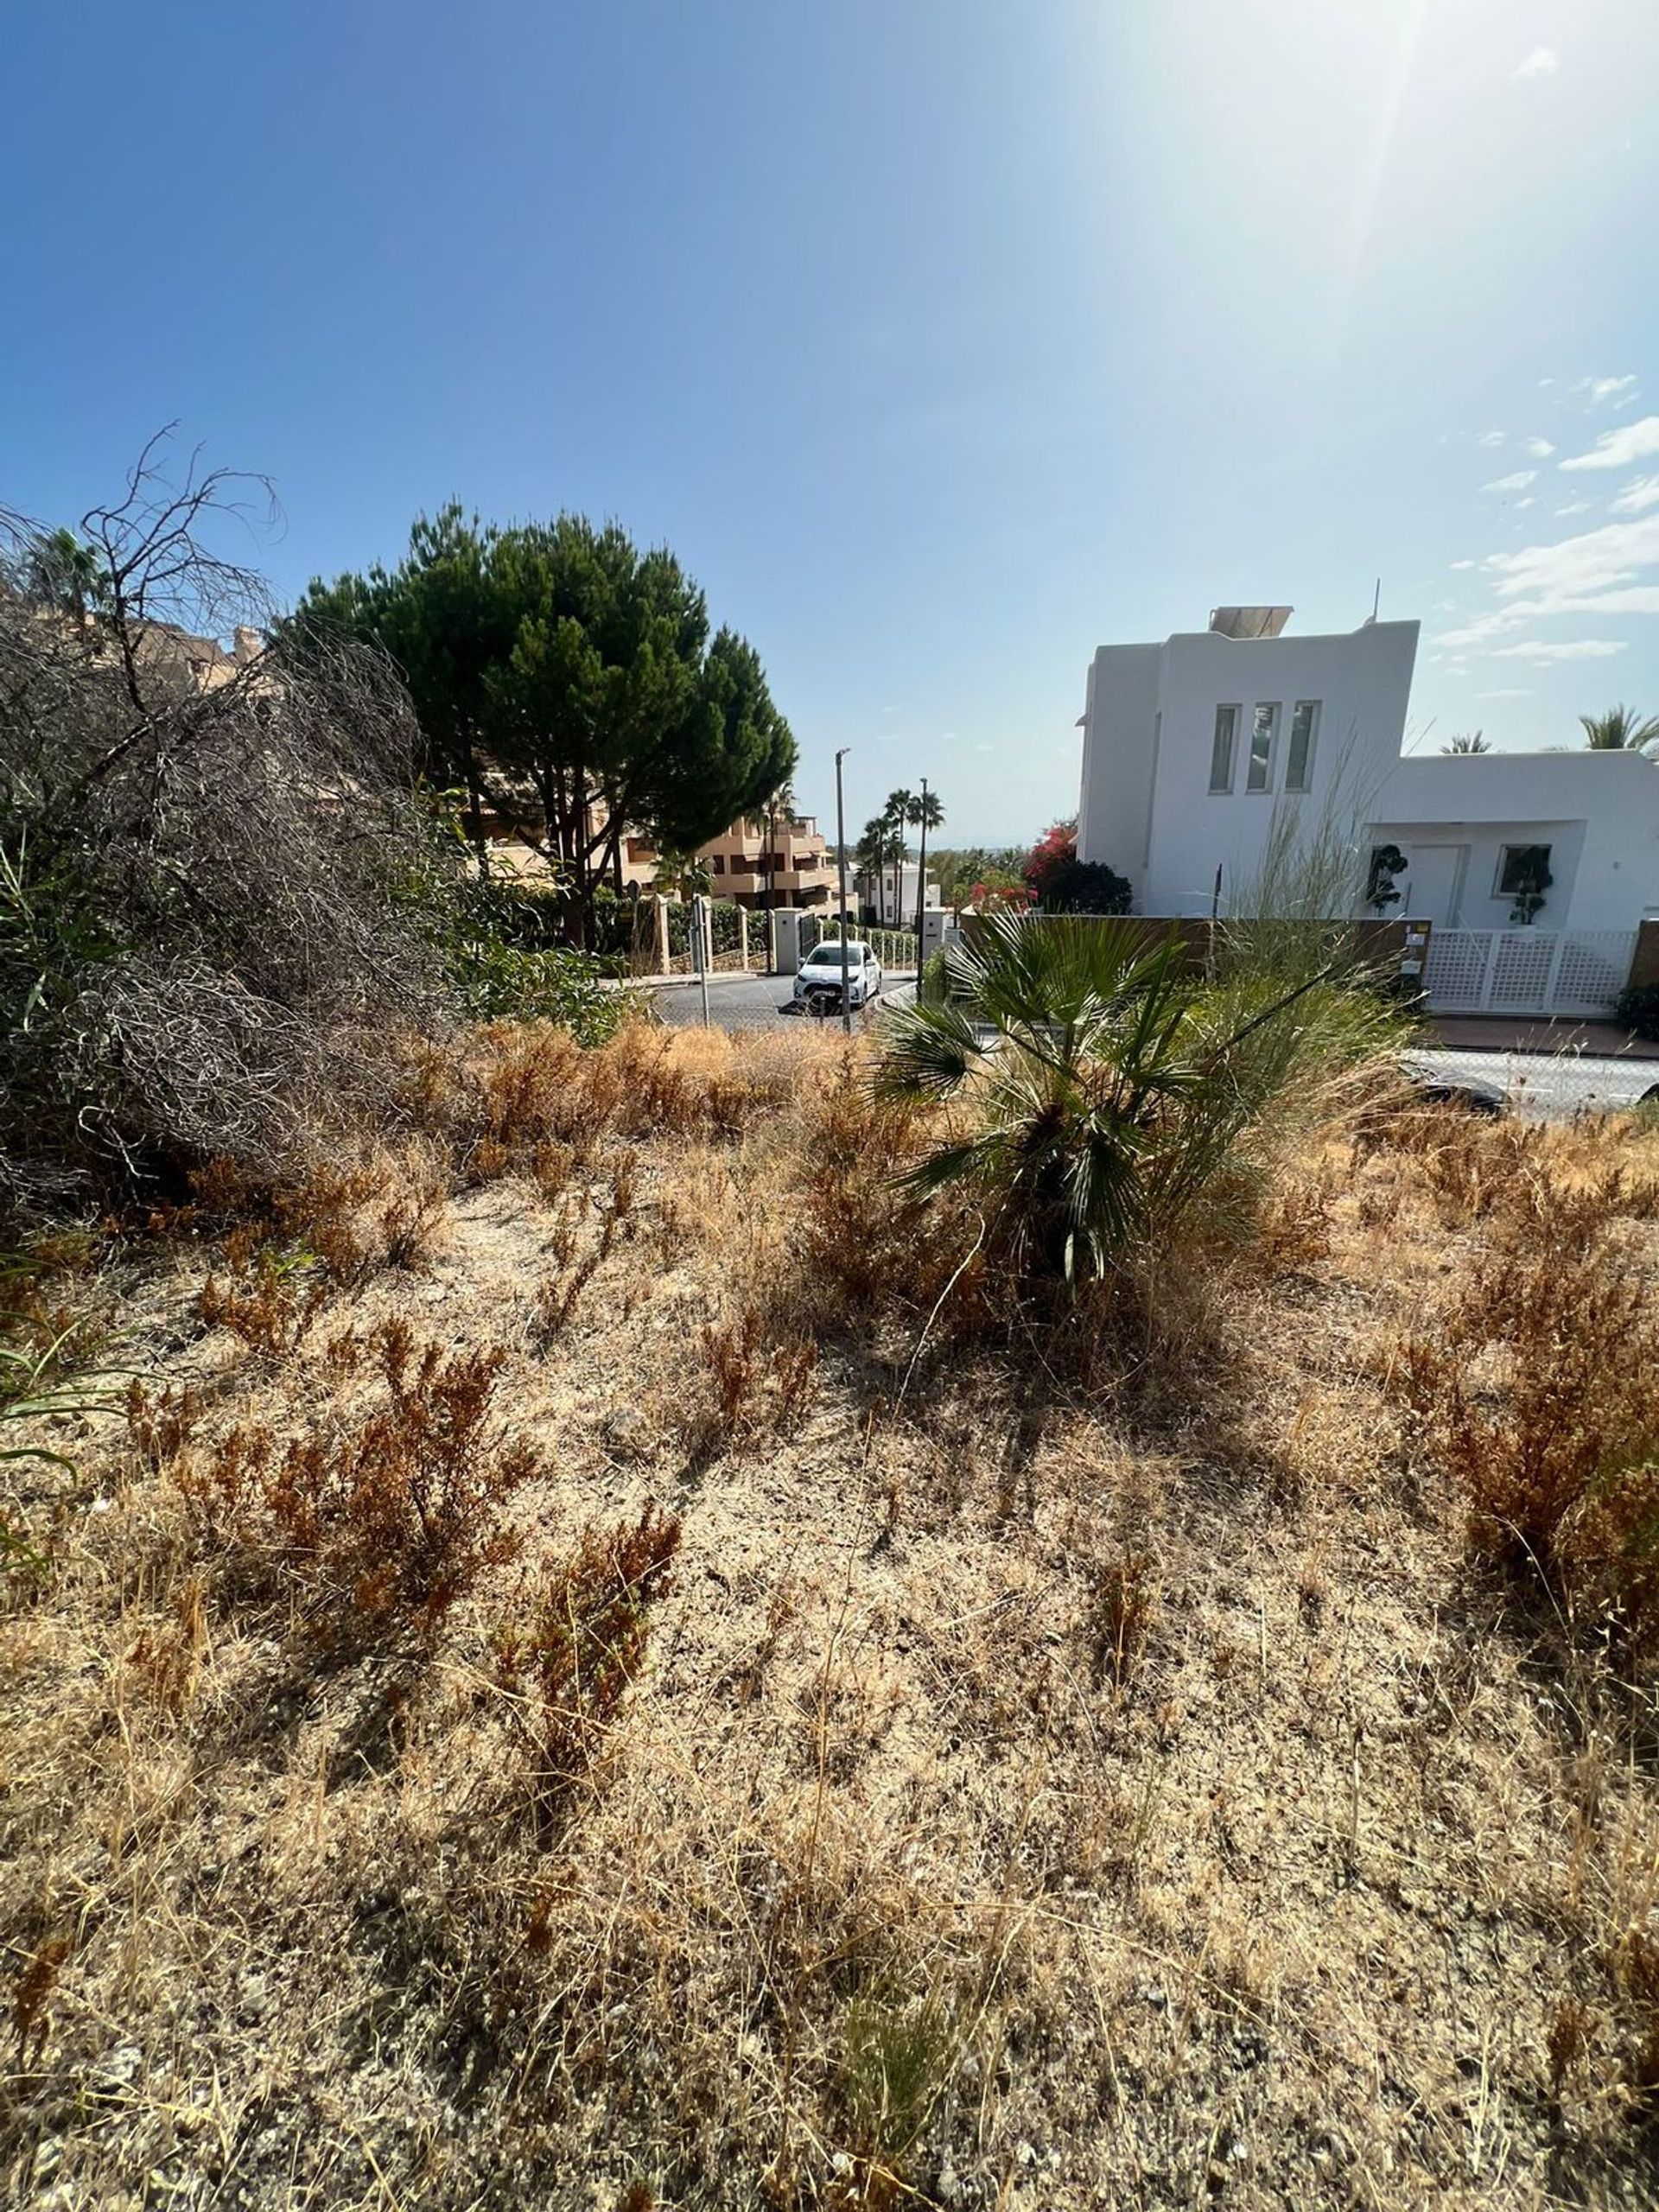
896,905
1599,813
1147,808
1119,750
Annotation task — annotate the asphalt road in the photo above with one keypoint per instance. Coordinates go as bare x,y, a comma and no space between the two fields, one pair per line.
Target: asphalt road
1537,1085
1542,1086
756,1002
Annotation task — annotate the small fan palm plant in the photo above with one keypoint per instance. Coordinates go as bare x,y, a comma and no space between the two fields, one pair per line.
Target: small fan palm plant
1101,1090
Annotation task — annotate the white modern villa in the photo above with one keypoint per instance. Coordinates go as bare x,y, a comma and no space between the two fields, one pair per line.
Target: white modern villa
1203,754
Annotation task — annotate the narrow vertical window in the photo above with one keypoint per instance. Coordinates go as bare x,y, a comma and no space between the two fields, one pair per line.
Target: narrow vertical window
1221,752
1303,729
1264,728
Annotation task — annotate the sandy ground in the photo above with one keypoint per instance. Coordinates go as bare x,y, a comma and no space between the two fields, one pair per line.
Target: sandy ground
1035,1794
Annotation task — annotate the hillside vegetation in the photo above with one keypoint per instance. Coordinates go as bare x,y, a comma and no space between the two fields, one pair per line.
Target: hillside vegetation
595,1649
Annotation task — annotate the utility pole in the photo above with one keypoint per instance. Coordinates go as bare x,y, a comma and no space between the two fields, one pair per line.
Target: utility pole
921,877
840,870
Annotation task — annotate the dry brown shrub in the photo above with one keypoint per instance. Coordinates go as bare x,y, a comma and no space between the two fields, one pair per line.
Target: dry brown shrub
160,1424
32,1998
751,1381
566,1662
383,1527
272,1306
863,1246
1118,1615
577,1261
514,1094
1535,1392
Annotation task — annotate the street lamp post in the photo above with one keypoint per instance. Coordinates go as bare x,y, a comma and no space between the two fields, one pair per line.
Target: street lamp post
840,870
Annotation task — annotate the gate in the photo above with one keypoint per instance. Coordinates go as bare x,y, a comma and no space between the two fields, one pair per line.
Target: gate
1576,973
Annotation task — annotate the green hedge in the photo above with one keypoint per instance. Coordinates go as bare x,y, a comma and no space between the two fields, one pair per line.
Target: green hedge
1637,1008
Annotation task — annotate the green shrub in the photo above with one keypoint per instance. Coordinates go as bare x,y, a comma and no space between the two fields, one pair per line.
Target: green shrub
578,990
1637,1009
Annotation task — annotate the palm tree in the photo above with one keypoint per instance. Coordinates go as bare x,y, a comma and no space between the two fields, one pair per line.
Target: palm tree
1621,729
928,814
869,855
681,874
1105,1092
898,813
1473,741
63,571
778,801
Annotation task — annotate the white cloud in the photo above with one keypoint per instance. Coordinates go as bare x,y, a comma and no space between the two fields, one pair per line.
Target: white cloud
1483,629
1463,565
1637,497
1508,691
1544,382
1575,507
1543,61
1528,502
1491,438
984,748
1582,649
1540,448
1516,480
1596,389
1596,560
1631,441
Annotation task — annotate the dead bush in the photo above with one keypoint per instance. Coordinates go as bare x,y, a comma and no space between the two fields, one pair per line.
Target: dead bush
522,1096
1118,1616
750,1382
1535,1393
566,1661
272,1305
864,1247
161,1423
198,942
576,1260
383,1528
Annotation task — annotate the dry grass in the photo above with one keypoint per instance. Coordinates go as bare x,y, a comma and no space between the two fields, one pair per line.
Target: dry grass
917,1749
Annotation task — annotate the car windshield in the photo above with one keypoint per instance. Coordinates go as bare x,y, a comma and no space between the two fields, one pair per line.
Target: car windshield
828,956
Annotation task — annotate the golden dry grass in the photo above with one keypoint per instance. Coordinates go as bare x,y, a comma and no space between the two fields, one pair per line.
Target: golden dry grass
1048,1781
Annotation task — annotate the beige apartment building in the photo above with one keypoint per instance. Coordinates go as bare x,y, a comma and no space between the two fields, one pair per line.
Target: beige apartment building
791,857
742,862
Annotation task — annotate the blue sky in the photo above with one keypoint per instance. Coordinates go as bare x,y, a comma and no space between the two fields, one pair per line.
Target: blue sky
942,340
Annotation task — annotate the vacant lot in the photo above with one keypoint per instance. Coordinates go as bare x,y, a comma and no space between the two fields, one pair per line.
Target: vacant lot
822,1738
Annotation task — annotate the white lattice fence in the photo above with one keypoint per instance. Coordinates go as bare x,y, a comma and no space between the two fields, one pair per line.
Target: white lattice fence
1518,978
1594,968
1576,973
1455,975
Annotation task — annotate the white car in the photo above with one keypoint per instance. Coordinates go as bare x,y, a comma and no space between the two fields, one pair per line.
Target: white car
818,981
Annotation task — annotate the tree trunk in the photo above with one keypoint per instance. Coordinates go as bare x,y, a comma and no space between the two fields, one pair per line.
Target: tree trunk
475,817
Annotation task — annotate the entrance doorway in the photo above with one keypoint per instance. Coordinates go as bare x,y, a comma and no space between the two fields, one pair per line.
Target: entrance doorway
1435,885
